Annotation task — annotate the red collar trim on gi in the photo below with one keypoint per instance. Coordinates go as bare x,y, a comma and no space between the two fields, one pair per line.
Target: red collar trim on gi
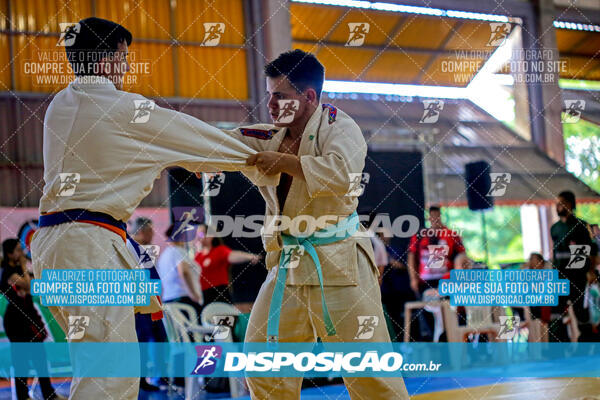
263,134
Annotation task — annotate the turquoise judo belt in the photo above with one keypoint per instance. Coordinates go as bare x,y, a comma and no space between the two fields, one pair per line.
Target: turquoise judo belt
291,253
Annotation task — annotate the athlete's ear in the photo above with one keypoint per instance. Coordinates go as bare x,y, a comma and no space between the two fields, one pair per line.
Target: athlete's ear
311,95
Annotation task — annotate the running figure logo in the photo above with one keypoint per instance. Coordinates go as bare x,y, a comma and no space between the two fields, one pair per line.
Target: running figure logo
77,326
186,223
500,182
437,256
358,182
142,109
68,33
287,111
149,255
579,255
212,33
573,110
212,182
68,183
499,33
358,33
207,359
223,326
509,325
366,326
291,256
431,111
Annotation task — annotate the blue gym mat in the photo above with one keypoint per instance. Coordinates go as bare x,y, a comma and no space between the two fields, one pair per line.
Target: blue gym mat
338,392
414,386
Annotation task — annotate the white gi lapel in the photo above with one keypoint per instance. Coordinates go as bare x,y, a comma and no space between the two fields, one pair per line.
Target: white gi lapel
275,142
310,135
307,141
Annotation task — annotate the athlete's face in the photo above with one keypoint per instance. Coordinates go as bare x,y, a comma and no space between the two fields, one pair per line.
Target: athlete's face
280,91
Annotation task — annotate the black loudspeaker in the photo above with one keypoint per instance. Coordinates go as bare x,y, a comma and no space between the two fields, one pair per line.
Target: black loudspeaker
185,193
478,181
394,187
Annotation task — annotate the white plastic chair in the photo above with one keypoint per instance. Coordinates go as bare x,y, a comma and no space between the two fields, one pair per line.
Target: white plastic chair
217,309
182,328
479,319
184,317
210,316
432,298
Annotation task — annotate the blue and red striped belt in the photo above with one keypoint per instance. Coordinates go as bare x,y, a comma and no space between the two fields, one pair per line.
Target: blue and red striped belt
105,221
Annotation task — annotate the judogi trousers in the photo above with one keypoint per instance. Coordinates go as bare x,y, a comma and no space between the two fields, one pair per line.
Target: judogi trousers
302,321
86,246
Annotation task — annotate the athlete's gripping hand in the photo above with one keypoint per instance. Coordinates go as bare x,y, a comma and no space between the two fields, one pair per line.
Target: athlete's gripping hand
272,162
267,162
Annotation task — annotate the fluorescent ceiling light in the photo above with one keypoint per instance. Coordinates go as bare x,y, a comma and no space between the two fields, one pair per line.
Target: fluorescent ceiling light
407,9
576,26
394,89
478,16
342,3
382,6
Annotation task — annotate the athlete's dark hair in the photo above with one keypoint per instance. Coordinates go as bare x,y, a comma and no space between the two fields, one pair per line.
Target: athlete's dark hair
97,39
302,69
569,197
434,208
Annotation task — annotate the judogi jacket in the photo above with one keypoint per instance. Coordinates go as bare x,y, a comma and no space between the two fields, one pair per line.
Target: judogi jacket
118,143
332,154
103,149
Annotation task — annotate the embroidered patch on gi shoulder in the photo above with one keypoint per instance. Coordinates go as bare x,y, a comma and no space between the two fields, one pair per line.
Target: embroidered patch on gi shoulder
332,112
258,133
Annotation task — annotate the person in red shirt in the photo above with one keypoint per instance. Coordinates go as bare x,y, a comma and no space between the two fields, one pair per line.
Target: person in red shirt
432,253
215,258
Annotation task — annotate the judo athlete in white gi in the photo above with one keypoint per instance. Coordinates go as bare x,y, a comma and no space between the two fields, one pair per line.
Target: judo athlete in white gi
319,154
101,158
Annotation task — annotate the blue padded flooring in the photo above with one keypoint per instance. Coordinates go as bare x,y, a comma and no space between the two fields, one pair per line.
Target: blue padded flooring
338,392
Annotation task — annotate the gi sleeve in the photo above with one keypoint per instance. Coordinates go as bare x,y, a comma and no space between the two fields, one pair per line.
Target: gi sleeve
171,138
341,162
